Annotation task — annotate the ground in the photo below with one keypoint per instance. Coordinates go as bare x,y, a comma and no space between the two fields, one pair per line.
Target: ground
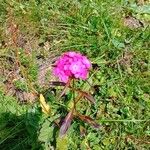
114,35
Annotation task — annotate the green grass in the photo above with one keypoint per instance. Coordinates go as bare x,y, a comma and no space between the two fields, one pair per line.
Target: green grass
121,74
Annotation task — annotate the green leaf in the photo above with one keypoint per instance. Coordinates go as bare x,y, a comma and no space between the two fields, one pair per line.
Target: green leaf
118,44
46,132
62,143
145,9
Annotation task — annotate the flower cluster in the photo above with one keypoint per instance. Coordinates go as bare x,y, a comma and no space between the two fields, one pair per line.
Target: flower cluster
71,65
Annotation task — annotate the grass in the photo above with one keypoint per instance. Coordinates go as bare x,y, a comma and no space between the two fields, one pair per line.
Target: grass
120,75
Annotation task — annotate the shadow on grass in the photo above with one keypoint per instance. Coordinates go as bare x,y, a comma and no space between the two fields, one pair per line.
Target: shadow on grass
19,132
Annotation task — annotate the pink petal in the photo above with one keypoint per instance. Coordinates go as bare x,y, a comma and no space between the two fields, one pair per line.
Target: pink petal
86,62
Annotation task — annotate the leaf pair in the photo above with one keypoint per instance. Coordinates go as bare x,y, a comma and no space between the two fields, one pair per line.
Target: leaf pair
67,122
88,96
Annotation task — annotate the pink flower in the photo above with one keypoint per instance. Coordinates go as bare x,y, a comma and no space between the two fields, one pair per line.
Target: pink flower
72,65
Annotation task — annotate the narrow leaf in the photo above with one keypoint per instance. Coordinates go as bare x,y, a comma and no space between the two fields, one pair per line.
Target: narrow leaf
89,120
66,124
45,107
65,88
57,83
63,92
89,97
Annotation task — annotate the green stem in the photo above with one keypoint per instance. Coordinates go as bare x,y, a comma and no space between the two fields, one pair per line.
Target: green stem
73,93
133,120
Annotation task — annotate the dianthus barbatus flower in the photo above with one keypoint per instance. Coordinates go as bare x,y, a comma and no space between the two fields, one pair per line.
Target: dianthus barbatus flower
72,65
